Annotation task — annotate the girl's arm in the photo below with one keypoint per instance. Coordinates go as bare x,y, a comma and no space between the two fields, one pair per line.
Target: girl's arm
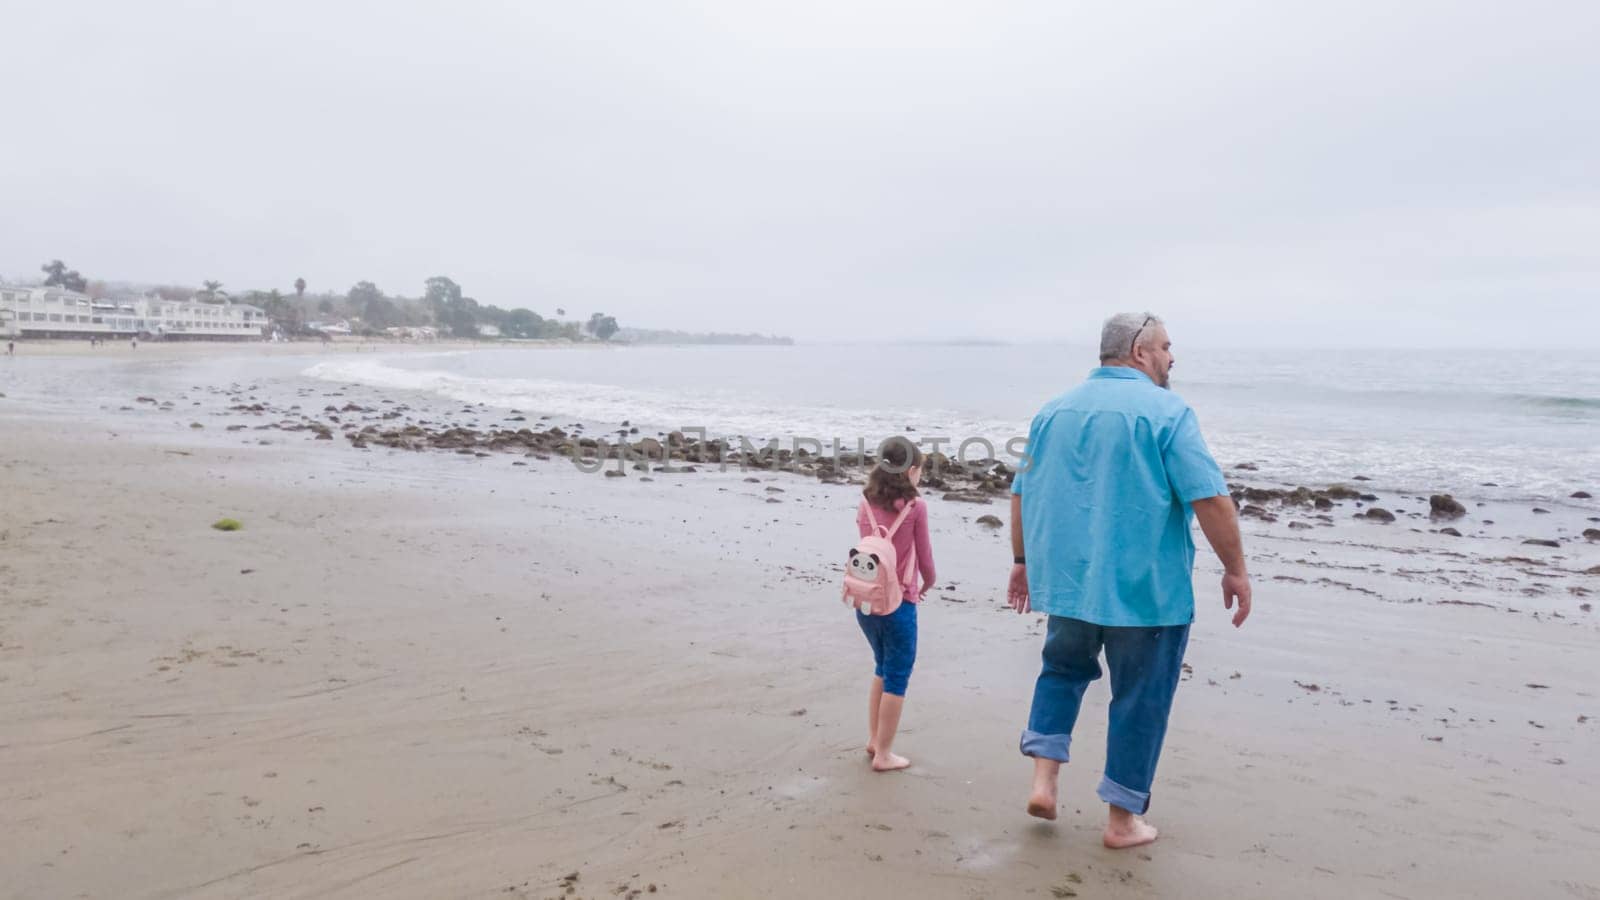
924,548
862,525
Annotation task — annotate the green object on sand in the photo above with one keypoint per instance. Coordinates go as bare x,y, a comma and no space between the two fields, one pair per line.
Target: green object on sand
227,525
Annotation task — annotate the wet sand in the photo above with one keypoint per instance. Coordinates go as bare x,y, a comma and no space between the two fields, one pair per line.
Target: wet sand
435,674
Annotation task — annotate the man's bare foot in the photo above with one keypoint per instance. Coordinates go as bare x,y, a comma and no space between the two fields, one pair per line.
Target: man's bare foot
889,762
1042,804
872,752
1132,831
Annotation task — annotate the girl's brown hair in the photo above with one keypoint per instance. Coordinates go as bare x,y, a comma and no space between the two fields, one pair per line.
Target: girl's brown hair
889,480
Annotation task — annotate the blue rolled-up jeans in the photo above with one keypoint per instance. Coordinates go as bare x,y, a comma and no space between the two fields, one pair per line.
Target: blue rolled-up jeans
1145,665
894,646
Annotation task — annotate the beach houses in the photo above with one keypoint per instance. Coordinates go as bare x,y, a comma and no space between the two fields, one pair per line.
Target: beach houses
8,314
49,312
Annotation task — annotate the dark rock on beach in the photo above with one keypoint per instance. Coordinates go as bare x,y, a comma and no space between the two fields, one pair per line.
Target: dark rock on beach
1260,495
1450,531
1541,542
1592,534
990,521
967,497
1251,511
1378,514
1581,495
1445,508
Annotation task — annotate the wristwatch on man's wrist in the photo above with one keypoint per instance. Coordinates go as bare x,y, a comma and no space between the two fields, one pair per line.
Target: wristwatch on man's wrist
1020,560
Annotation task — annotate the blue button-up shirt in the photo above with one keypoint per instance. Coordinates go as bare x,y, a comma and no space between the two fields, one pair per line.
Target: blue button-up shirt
1112,466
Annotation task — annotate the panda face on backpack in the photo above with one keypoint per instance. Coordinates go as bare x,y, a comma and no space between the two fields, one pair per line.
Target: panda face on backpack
873,576
864,565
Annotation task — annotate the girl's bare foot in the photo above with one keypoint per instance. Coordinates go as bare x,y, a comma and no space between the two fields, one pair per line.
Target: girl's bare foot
1130,831
872,752
889,762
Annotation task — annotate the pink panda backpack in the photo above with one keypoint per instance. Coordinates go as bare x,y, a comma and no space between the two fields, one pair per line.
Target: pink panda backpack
873,577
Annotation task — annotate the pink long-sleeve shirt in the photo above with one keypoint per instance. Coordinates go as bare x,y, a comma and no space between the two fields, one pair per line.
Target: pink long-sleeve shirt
913,534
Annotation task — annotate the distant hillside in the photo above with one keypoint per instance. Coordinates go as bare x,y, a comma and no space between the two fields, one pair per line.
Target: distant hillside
663,336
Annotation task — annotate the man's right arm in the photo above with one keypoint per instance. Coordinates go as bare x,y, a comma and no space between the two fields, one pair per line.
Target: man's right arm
1219,520
1017,584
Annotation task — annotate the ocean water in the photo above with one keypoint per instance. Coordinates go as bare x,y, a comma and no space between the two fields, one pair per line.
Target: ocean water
1413,421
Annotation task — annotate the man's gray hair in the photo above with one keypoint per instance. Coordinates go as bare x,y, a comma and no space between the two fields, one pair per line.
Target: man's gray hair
1121,330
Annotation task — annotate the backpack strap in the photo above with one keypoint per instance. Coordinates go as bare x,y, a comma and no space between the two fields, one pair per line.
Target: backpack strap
904,511
909,564
872,520
908,567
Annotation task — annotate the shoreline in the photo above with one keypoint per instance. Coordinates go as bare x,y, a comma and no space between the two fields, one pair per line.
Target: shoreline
341,366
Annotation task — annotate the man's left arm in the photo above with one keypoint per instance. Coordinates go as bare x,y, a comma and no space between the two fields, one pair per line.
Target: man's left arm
1196,480
1219,521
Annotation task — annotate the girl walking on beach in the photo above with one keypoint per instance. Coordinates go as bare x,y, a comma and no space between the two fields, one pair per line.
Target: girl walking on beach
891,508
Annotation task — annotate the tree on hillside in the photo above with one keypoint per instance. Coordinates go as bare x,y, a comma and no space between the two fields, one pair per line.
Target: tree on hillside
560,311
462,318
522,323
360,295
286,316
58,275
440,293
377,312
454,313
601,326
325,305
212,292
380,312
299,287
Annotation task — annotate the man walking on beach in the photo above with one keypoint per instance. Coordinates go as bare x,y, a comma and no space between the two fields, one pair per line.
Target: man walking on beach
1102,508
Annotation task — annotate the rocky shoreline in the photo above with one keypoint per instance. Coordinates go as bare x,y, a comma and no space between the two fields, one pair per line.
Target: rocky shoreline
616,454
468,430
1313,507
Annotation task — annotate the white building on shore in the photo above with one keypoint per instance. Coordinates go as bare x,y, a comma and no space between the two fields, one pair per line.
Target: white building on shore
48,312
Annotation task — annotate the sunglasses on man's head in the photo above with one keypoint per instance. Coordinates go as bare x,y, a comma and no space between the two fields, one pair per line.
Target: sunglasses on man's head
1135,342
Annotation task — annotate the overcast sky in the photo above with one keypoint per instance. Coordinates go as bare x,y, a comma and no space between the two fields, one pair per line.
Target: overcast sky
1383,173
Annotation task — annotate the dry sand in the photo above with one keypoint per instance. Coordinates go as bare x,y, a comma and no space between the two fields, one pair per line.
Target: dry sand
441,676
